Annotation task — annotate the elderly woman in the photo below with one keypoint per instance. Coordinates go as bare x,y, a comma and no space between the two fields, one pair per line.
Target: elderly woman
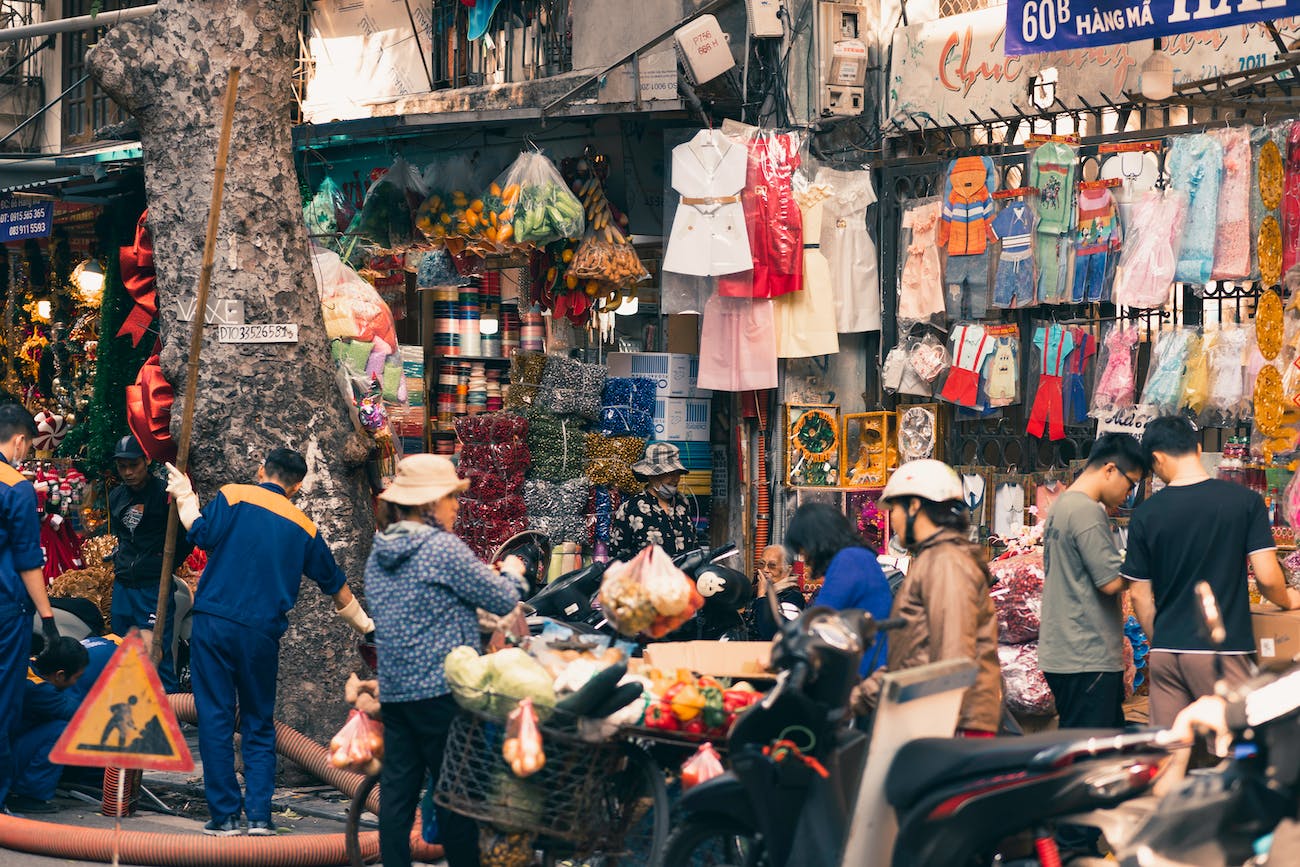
424,585
658,515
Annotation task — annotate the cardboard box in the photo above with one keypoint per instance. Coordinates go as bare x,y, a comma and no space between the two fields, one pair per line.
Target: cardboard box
1277,635
676,373
738,659
683,419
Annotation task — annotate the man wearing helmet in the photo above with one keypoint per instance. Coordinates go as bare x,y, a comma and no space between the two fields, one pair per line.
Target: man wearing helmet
944,600
138,514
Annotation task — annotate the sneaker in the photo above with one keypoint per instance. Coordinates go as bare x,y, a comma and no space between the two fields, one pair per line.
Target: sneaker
261,829
227,827
23,804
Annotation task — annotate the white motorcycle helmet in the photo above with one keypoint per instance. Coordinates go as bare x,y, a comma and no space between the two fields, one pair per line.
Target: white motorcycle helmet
928,480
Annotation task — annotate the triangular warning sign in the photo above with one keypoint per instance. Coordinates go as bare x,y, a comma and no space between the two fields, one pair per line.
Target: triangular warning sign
126,720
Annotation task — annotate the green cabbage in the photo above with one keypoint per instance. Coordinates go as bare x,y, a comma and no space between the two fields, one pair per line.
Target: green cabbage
516,675
469,676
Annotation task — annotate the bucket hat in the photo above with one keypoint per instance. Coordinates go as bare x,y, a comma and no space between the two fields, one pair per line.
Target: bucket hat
422,479
660,459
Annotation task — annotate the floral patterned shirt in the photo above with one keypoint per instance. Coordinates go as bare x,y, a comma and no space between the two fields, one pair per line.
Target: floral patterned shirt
641,521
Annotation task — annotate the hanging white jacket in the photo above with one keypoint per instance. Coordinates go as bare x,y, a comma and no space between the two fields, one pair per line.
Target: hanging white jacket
708,237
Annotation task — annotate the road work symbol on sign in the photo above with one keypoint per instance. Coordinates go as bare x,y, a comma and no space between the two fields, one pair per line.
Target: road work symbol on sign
125,720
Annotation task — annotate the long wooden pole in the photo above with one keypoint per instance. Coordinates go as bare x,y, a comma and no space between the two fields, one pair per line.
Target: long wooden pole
196,348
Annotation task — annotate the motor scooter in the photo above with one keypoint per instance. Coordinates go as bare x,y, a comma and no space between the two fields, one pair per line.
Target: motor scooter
804,789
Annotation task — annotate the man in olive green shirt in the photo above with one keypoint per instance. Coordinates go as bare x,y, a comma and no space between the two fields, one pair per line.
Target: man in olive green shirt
1080,644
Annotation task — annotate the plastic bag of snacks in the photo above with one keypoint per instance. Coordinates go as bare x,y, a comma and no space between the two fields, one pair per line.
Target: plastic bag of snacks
535,204
1026,688
385,222
606,254
702,766
453,209
359,745
522,747
648,594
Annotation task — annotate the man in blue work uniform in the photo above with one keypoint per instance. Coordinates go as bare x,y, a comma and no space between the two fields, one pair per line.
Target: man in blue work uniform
138,515
49,701
22,579
259,546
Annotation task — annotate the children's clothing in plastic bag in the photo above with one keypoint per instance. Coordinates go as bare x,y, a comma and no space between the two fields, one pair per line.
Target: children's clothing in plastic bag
709,235
1052,170
805,320
1117,380
1196,378
1077,373
1152,250
737,345
772,218
1002,369
849,249
965,231
1227,383
1052,345
899,377
1097,243
1232,232
970,346
1014,284
1164,385
920,283
1196,167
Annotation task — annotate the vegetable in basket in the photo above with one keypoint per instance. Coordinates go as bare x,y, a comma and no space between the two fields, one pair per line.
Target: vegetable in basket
522,747
494,684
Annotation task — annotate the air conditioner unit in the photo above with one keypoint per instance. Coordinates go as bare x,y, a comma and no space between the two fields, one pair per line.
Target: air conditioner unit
703,50
764,19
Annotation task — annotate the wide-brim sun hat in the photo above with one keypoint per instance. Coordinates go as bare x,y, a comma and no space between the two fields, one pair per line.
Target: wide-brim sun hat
422,479
660,459
928,479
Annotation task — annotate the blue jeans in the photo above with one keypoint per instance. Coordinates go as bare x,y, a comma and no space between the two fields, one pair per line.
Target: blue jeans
967,282
1089,277
137,606
229,664
1014,285
34,774
15,647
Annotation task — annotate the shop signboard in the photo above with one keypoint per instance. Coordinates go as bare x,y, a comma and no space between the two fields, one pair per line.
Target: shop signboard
1034,26
27,221
1130,420
940,70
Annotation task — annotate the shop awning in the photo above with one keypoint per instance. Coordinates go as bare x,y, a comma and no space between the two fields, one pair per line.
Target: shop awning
93,173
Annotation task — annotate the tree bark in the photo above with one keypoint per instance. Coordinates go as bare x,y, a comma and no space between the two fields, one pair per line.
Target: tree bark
170,71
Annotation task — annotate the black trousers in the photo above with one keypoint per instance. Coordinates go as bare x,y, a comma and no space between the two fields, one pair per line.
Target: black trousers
1090,700
415,736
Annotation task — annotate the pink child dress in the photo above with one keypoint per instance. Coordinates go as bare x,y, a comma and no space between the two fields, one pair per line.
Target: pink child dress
920,289
1117,384
1150,257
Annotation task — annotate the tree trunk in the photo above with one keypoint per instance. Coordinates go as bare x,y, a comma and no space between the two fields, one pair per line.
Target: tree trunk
170,71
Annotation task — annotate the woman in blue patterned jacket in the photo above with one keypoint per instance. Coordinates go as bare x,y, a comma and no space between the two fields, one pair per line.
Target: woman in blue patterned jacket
424,586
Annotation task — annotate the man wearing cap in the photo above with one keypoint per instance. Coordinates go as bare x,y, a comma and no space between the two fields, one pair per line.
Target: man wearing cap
659,514
137,511
259,546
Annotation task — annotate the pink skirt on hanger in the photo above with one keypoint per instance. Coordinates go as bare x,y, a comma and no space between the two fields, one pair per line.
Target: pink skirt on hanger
737,345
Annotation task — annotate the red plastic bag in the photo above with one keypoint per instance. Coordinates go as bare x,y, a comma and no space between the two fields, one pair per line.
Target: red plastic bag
703,766
359,744
522,747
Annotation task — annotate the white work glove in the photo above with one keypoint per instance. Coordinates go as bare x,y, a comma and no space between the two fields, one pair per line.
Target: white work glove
187,502
356,617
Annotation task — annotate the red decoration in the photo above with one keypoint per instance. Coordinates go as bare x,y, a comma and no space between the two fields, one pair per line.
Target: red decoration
149,411
140,279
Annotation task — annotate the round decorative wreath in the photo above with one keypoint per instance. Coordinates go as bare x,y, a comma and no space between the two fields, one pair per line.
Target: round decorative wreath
1268,325
1268,400
815,435
1270,175
1270,250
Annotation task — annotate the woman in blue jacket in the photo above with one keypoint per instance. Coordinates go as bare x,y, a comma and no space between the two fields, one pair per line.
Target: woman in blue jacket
851,578
424,586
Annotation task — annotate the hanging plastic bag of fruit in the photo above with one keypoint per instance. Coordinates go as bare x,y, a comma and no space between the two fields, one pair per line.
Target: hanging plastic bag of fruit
606,255
453,212
328,213
532,204
385,223
359,745
522,747
702,766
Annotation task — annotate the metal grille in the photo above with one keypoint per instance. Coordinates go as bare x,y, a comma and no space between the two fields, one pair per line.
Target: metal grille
949,8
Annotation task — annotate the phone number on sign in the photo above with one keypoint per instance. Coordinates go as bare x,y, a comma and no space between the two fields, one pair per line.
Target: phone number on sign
265,333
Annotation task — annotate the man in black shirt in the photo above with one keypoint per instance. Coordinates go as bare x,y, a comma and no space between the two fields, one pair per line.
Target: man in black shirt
138,515
1196,529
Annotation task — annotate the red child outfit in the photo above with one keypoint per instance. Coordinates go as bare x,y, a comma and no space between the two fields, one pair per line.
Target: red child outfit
1048,412
773,219
971,345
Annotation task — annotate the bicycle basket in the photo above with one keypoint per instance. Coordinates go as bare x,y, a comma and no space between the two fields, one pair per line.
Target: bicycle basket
564,800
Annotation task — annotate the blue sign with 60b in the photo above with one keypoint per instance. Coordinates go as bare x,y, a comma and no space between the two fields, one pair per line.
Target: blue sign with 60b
27,221
1035,26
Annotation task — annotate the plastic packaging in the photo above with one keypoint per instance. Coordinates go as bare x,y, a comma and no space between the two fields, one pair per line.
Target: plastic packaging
536,205
328,212
648,594
359,745
1116,386
1196,378
569,386
1025,688
1152,246
522,747
606,255
703,765
920,277
1164,385
1018,597
385,222
453,211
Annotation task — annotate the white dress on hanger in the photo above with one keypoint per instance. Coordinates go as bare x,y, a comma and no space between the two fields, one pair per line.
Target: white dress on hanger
848,247
708,236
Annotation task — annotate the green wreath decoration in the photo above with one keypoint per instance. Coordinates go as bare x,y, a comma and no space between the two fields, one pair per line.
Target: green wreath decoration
815,435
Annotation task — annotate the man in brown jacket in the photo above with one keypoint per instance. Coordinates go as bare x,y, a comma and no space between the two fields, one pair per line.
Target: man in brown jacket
945,599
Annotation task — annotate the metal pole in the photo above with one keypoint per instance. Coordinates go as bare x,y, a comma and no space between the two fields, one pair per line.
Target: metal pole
80,22
49,105
196,347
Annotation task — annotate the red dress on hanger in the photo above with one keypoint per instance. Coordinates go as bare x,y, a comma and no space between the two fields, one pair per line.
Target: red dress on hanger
772,218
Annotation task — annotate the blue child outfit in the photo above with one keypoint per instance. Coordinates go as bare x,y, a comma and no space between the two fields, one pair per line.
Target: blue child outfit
259,546
423,585
20,551
854,579
1014,283
1196,167
1097,244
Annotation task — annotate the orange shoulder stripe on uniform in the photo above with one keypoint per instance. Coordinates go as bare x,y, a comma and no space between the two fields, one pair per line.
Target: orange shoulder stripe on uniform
274,503
9,477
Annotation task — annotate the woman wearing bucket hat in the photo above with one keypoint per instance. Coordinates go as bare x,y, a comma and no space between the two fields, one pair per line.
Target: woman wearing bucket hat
658,515
944,600
424,586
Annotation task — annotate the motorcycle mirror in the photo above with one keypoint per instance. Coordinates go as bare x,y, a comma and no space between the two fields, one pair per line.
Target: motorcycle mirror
1210,614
